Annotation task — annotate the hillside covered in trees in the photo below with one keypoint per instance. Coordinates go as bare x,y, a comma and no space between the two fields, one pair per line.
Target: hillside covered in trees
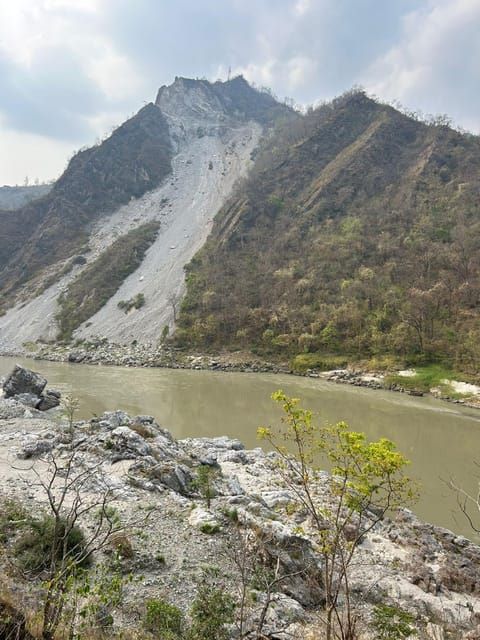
357,233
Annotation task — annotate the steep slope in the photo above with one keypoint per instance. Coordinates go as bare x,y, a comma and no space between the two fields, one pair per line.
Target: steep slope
357,232
173,164
134,159
204,171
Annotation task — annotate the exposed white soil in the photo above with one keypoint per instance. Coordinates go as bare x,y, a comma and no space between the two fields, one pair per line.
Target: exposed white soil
463,387
185,206
370,377
30,321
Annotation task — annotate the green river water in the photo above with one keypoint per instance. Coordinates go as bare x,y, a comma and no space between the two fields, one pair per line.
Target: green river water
442,440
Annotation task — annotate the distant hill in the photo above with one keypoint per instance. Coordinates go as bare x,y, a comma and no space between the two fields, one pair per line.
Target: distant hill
356,233
16,197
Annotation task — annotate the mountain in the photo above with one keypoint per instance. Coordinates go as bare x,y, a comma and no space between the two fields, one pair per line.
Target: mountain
17,197
132,161
218,101
357,233
127,214
349,232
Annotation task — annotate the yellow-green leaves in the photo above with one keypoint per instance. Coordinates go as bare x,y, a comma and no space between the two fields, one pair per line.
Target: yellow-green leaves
365,475
367,480
263,433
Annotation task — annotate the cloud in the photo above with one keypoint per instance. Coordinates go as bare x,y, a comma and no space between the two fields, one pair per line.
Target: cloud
302,6
59,69
317,49
44,100
72,68
25,154
435,66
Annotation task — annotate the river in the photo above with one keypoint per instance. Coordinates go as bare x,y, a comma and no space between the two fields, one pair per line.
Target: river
442,440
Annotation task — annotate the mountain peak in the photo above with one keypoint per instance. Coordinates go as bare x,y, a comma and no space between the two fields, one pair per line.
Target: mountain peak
189,84
201,99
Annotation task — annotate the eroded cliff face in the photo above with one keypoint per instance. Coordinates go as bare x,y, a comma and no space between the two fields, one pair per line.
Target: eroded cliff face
177,168
204,172
133,160
192,109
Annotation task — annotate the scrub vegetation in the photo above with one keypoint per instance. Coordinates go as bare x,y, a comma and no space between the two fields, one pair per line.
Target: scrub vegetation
98,282
356,236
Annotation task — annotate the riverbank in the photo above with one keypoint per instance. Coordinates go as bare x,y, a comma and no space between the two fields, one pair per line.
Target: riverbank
426,571
102,352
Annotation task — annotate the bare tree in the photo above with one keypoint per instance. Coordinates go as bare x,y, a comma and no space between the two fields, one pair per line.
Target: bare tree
468,503
255,570
73,501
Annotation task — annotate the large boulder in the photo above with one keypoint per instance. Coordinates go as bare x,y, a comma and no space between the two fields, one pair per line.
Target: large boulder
166,473
28,400
76,356
126,444
204,520
22,381
35,447
284,616
49,400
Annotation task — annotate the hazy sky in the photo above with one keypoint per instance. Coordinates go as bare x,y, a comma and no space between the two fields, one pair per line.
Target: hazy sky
71,69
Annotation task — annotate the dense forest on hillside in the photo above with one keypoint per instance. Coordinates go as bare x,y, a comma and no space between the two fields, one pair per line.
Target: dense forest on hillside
357,233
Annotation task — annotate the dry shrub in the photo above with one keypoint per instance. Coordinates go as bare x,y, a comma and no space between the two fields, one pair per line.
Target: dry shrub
122,545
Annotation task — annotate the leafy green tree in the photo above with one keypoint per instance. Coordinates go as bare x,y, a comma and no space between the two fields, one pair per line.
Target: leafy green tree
212,609
70,406
205,482
367,480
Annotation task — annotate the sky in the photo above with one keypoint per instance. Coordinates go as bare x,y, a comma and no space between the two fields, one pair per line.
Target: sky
70,70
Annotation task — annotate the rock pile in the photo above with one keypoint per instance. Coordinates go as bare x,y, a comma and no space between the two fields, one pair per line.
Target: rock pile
101,351
424,570
28,388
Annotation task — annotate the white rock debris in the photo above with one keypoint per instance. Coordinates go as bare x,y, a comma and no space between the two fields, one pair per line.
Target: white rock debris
426,570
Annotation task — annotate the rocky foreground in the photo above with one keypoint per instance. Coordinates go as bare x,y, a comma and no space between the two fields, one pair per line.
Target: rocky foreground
424,570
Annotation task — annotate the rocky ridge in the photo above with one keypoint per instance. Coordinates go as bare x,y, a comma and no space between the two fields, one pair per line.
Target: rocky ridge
425,570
